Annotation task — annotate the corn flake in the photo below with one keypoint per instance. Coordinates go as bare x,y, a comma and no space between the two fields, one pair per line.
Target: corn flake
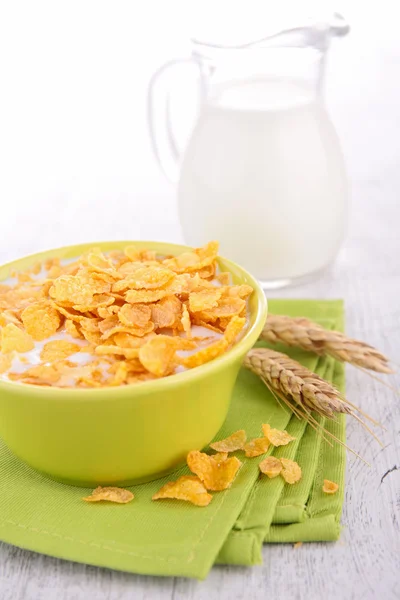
93,337
135,331
330,487
136,254
270,466
205,355
151,277
104,349
10,316
291,471
100,264
187,488
158,356
136,315
39,374
166,313
5,362
107,311
14,338
224,278
144,296
216,472
277,437
227,307
185,321
235,441
233,328
127,340
121,373
195,260
98,301
40,320
58,350
237,291
110,494
204,300
256,447
72,329
71,289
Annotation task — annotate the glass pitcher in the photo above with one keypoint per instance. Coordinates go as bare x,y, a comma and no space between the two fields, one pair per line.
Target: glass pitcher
262,171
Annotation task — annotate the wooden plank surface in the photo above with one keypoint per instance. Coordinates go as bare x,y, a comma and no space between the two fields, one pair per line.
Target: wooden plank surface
364,97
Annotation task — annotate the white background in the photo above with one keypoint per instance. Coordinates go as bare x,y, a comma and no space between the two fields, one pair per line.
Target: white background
76,165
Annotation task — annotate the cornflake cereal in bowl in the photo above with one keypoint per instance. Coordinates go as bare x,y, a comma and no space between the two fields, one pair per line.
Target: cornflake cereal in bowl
118,358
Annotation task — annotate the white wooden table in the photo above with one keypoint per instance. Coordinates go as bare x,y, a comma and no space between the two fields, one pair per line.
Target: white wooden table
107,187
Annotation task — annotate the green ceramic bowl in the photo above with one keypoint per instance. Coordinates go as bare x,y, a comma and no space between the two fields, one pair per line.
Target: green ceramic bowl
127,434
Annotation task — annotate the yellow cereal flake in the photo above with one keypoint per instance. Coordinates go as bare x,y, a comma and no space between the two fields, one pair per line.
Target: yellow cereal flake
10,316
205,355
207,272
277,437
204,299
182,284
235,441
135,331
144,296
5,362
195,260
217,472
14,338
58,350
256,447
187,488
98,301
72,329
122,369
233,329
93,337
185,321
71,289
271,466
150,277
39,374
108,323
136,254
210,326
40,320
136,315
330,487
104,349
107,311
291,471
224,278
100,264
158,356
227,307
127,340
110,494
237,291
177,342
166,313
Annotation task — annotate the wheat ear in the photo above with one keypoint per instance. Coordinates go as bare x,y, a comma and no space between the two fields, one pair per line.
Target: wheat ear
299,388
305,334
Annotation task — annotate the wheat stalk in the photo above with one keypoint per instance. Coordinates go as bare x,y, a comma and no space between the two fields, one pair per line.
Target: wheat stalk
295,382
305,334
300,389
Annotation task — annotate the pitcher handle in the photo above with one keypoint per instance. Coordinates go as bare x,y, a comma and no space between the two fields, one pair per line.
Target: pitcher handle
162,137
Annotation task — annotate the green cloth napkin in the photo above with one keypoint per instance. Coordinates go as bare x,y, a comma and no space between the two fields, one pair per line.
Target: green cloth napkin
175,538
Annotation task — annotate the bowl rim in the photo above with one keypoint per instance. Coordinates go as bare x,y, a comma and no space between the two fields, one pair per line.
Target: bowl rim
148,387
